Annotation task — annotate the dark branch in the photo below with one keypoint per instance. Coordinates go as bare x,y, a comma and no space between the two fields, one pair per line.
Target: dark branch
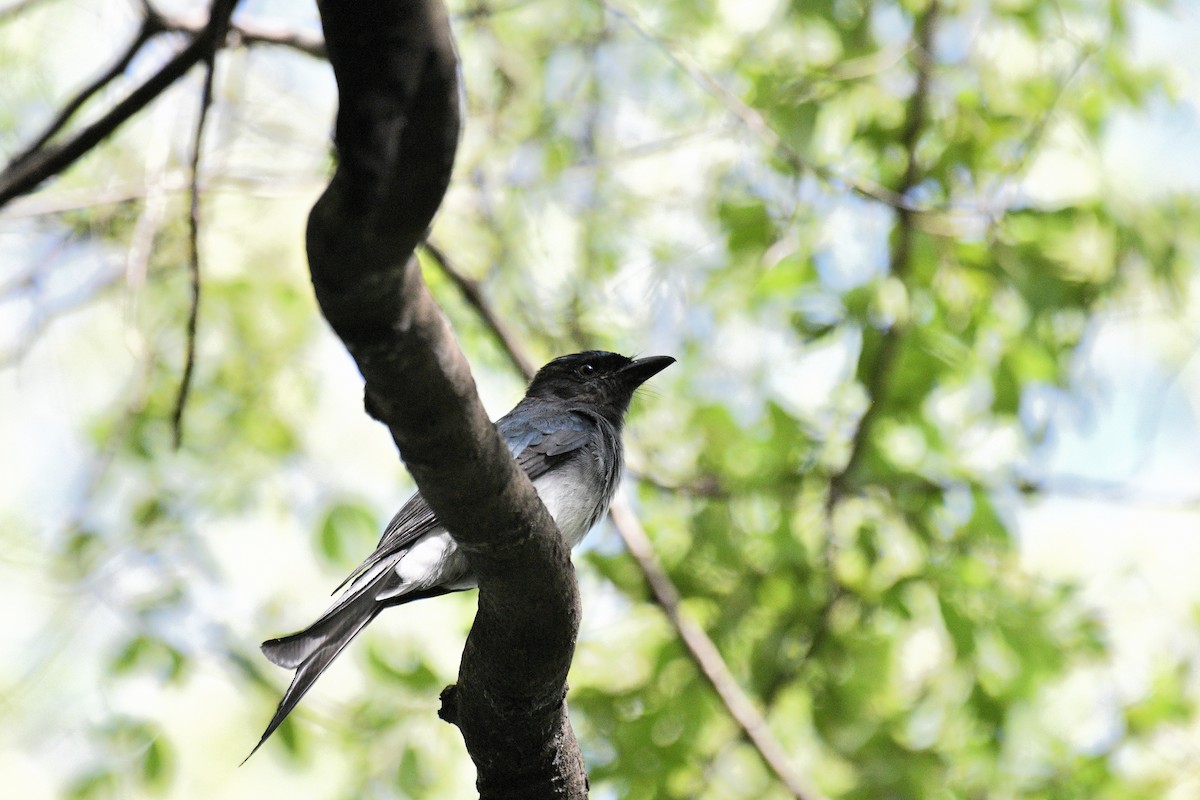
20,177
149,28
397,131
189,361
471,293
252,33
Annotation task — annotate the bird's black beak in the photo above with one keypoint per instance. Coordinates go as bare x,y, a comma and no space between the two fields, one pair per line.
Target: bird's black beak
635,373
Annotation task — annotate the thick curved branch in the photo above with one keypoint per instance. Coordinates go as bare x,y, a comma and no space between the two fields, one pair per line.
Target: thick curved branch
397,130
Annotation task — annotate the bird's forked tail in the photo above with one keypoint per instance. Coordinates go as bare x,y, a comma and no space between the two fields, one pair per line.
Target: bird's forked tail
312,650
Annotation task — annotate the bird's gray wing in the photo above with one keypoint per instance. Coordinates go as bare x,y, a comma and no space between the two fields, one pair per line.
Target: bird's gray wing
414,519
537,442
550,450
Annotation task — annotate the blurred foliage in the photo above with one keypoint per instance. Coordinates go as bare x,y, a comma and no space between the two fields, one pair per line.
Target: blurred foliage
832,459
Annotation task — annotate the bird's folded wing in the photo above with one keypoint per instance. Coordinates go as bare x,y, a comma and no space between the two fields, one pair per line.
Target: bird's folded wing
414,519
536,441
541,439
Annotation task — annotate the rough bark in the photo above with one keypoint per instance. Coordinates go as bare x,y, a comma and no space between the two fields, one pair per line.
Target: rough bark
397,130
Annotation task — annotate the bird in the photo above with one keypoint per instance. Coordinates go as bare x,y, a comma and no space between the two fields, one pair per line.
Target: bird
565,434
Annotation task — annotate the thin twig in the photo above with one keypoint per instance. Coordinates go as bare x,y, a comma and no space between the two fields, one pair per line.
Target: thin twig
206,98
705,653
148,30
699,646
150,218
706,486
474,297
18,178
1014,174
1097,490
648,149
250,32
53,202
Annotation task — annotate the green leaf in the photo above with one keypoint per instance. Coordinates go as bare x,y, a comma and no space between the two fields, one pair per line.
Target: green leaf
748,226
347,532
1167,700
787,277
98,783
417,675
157,766
959,626
146,654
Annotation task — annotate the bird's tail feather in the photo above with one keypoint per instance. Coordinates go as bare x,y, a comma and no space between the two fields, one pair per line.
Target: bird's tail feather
312,650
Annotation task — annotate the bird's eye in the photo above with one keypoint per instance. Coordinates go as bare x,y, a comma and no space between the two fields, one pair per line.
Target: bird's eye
586,371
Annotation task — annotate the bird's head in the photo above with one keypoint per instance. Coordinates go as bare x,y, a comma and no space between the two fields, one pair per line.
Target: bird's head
597,378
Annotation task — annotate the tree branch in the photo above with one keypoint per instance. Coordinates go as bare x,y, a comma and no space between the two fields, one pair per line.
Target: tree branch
149,28
22,175
469,289
397,131
706,656
1113,492
700,648
189,361
899,260
251,33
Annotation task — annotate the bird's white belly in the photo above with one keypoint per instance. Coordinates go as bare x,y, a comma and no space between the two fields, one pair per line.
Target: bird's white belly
573,509
425,559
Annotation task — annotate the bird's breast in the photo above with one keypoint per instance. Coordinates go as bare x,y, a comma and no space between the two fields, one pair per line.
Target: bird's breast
575,497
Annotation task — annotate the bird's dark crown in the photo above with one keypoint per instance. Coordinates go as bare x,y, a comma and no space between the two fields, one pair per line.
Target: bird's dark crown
596,377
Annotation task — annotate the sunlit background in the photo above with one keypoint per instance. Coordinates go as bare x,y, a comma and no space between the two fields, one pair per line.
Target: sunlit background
1003,600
